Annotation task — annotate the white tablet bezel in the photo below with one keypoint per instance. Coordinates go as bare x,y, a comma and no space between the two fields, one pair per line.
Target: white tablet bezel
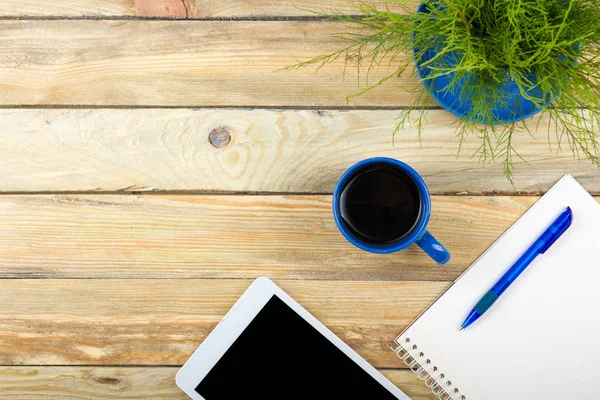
234,323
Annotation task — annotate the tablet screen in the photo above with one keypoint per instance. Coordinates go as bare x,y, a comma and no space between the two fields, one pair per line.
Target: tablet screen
281,356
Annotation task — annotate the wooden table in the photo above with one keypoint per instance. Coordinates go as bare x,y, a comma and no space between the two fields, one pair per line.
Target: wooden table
152,165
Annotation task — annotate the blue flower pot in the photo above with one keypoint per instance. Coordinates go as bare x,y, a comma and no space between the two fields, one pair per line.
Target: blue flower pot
514,106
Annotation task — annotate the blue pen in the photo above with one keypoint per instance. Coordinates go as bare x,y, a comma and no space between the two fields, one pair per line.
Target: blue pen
543,243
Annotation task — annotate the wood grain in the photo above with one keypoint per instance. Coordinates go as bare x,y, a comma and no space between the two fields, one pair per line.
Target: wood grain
85,383
66,8
197,9
175,236
277,8
162,321
150,383
162,8
178,63
265,151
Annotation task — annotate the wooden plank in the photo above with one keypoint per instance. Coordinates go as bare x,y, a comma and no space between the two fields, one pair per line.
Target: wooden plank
276,8
177,63
150,383
66,8
267,151
84,383
197,9
286,237
161,322
163,8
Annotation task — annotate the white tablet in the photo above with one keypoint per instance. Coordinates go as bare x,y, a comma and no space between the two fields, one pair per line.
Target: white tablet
268,347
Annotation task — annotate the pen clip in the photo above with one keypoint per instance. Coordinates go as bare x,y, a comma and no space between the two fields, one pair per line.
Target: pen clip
558,227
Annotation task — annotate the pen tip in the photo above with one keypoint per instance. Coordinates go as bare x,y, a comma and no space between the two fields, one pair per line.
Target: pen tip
461,329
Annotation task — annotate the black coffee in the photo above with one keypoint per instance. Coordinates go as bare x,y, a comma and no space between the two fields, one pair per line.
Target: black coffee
380,204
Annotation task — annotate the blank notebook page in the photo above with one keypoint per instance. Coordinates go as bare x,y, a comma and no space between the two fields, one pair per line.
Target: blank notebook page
541,339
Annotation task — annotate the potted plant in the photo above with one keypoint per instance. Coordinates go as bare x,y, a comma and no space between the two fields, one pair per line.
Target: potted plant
492,63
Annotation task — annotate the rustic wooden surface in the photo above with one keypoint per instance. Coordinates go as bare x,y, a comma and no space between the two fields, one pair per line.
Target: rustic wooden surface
177,63
294,151
174,9
109,383
201,236
162,321
152,164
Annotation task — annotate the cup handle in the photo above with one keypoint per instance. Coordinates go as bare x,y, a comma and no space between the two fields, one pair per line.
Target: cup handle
433,248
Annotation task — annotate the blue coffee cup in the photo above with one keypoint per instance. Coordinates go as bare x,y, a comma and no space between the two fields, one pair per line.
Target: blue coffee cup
417,234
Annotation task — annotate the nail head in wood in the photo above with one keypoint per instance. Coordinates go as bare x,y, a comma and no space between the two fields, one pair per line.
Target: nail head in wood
220,137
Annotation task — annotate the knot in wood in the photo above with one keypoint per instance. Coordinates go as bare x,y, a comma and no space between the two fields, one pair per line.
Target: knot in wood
220,137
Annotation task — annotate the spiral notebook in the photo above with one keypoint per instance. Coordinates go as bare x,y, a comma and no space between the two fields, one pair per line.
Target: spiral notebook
541,340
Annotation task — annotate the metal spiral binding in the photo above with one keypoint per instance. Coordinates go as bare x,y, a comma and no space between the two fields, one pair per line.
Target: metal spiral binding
425,371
